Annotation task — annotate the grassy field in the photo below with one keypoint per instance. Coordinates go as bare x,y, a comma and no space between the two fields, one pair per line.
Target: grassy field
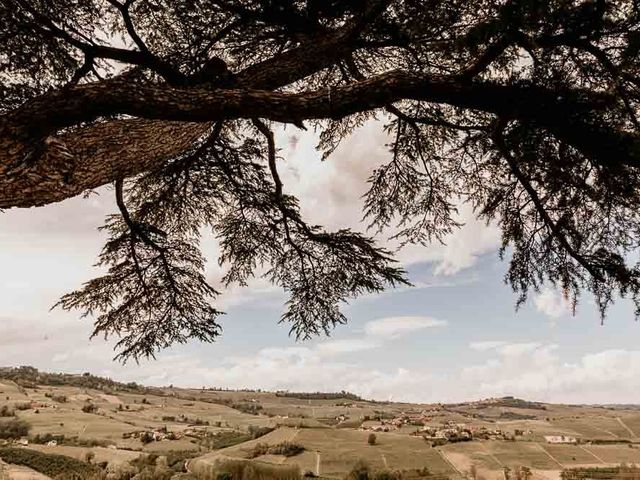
571,455
615,453
336,451
207,421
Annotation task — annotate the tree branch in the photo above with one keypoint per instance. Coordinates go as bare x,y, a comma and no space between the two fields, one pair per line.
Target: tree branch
557,233
567,119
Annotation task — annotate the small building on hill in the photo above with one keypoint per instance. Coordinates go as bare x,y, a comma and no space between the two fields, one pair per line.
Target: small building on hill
560,439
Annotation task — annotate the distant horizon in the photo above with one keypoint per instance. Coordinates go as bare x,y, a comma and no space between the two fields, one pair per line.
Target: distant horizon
303,392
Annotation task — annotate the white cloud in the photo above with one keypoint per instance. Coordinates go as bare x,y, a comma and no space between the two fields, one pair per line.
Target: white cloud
331,194
531,370
348,345
609,376
552,303
394,327
486,345
518,349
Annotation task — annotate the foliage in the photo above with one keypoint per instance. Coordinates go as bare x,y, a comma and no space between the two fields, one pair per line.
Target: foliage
176,459
362,471
527,111
44,438
5,411
89,408
87,380
605,473
257,431
146,437
247,407
48,464
320,395
237,469
224,439
13,428
56,398
288,449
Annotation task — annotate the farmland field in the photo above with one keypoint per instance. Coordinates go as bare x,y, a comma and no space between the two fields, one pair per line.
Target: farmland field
85,417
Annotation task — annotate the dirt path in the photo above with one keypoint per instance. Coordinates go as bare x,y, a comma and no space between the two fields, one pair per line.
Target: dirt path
317,463
607,432
449,462
550,456
495,459
593,454
624,425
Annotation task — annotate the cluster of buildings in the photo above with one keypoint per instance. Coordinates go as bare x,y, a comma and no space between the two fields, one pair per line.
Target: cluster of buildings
460,432
155,435
447,431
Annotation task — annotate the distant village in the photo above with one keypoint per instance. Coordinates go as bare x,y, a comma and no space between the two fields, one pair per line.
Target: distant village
450,431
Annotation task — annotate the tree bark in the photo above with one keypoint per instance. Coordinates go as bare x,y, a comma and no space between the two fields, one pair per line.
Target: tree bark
169,120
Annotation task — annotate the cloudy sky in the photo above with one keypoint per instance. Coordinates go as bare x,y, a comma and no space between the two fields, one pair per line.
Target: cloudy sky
454,336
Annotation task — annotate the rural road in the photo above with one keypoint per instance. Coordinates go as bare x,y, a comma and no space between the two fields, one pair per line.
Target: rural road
450,463
624,425
551,456
593,455
317,463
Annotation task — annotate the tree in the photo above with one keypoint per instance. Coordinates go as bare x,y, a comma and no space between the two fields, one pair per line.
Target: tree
13,429
527,110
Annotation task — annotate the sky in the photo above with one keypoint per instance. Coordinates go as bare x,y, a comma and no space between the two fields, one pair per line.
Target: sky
455,335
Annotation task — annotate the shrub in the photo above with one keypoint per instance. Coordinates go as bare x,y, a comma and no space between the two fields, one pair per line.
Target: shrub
288,449
238,469
176,459
250,408
226,439
42,438
5,411
387,475
371,439
56,398
89,408
257,432
259,449
360,471
13,429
